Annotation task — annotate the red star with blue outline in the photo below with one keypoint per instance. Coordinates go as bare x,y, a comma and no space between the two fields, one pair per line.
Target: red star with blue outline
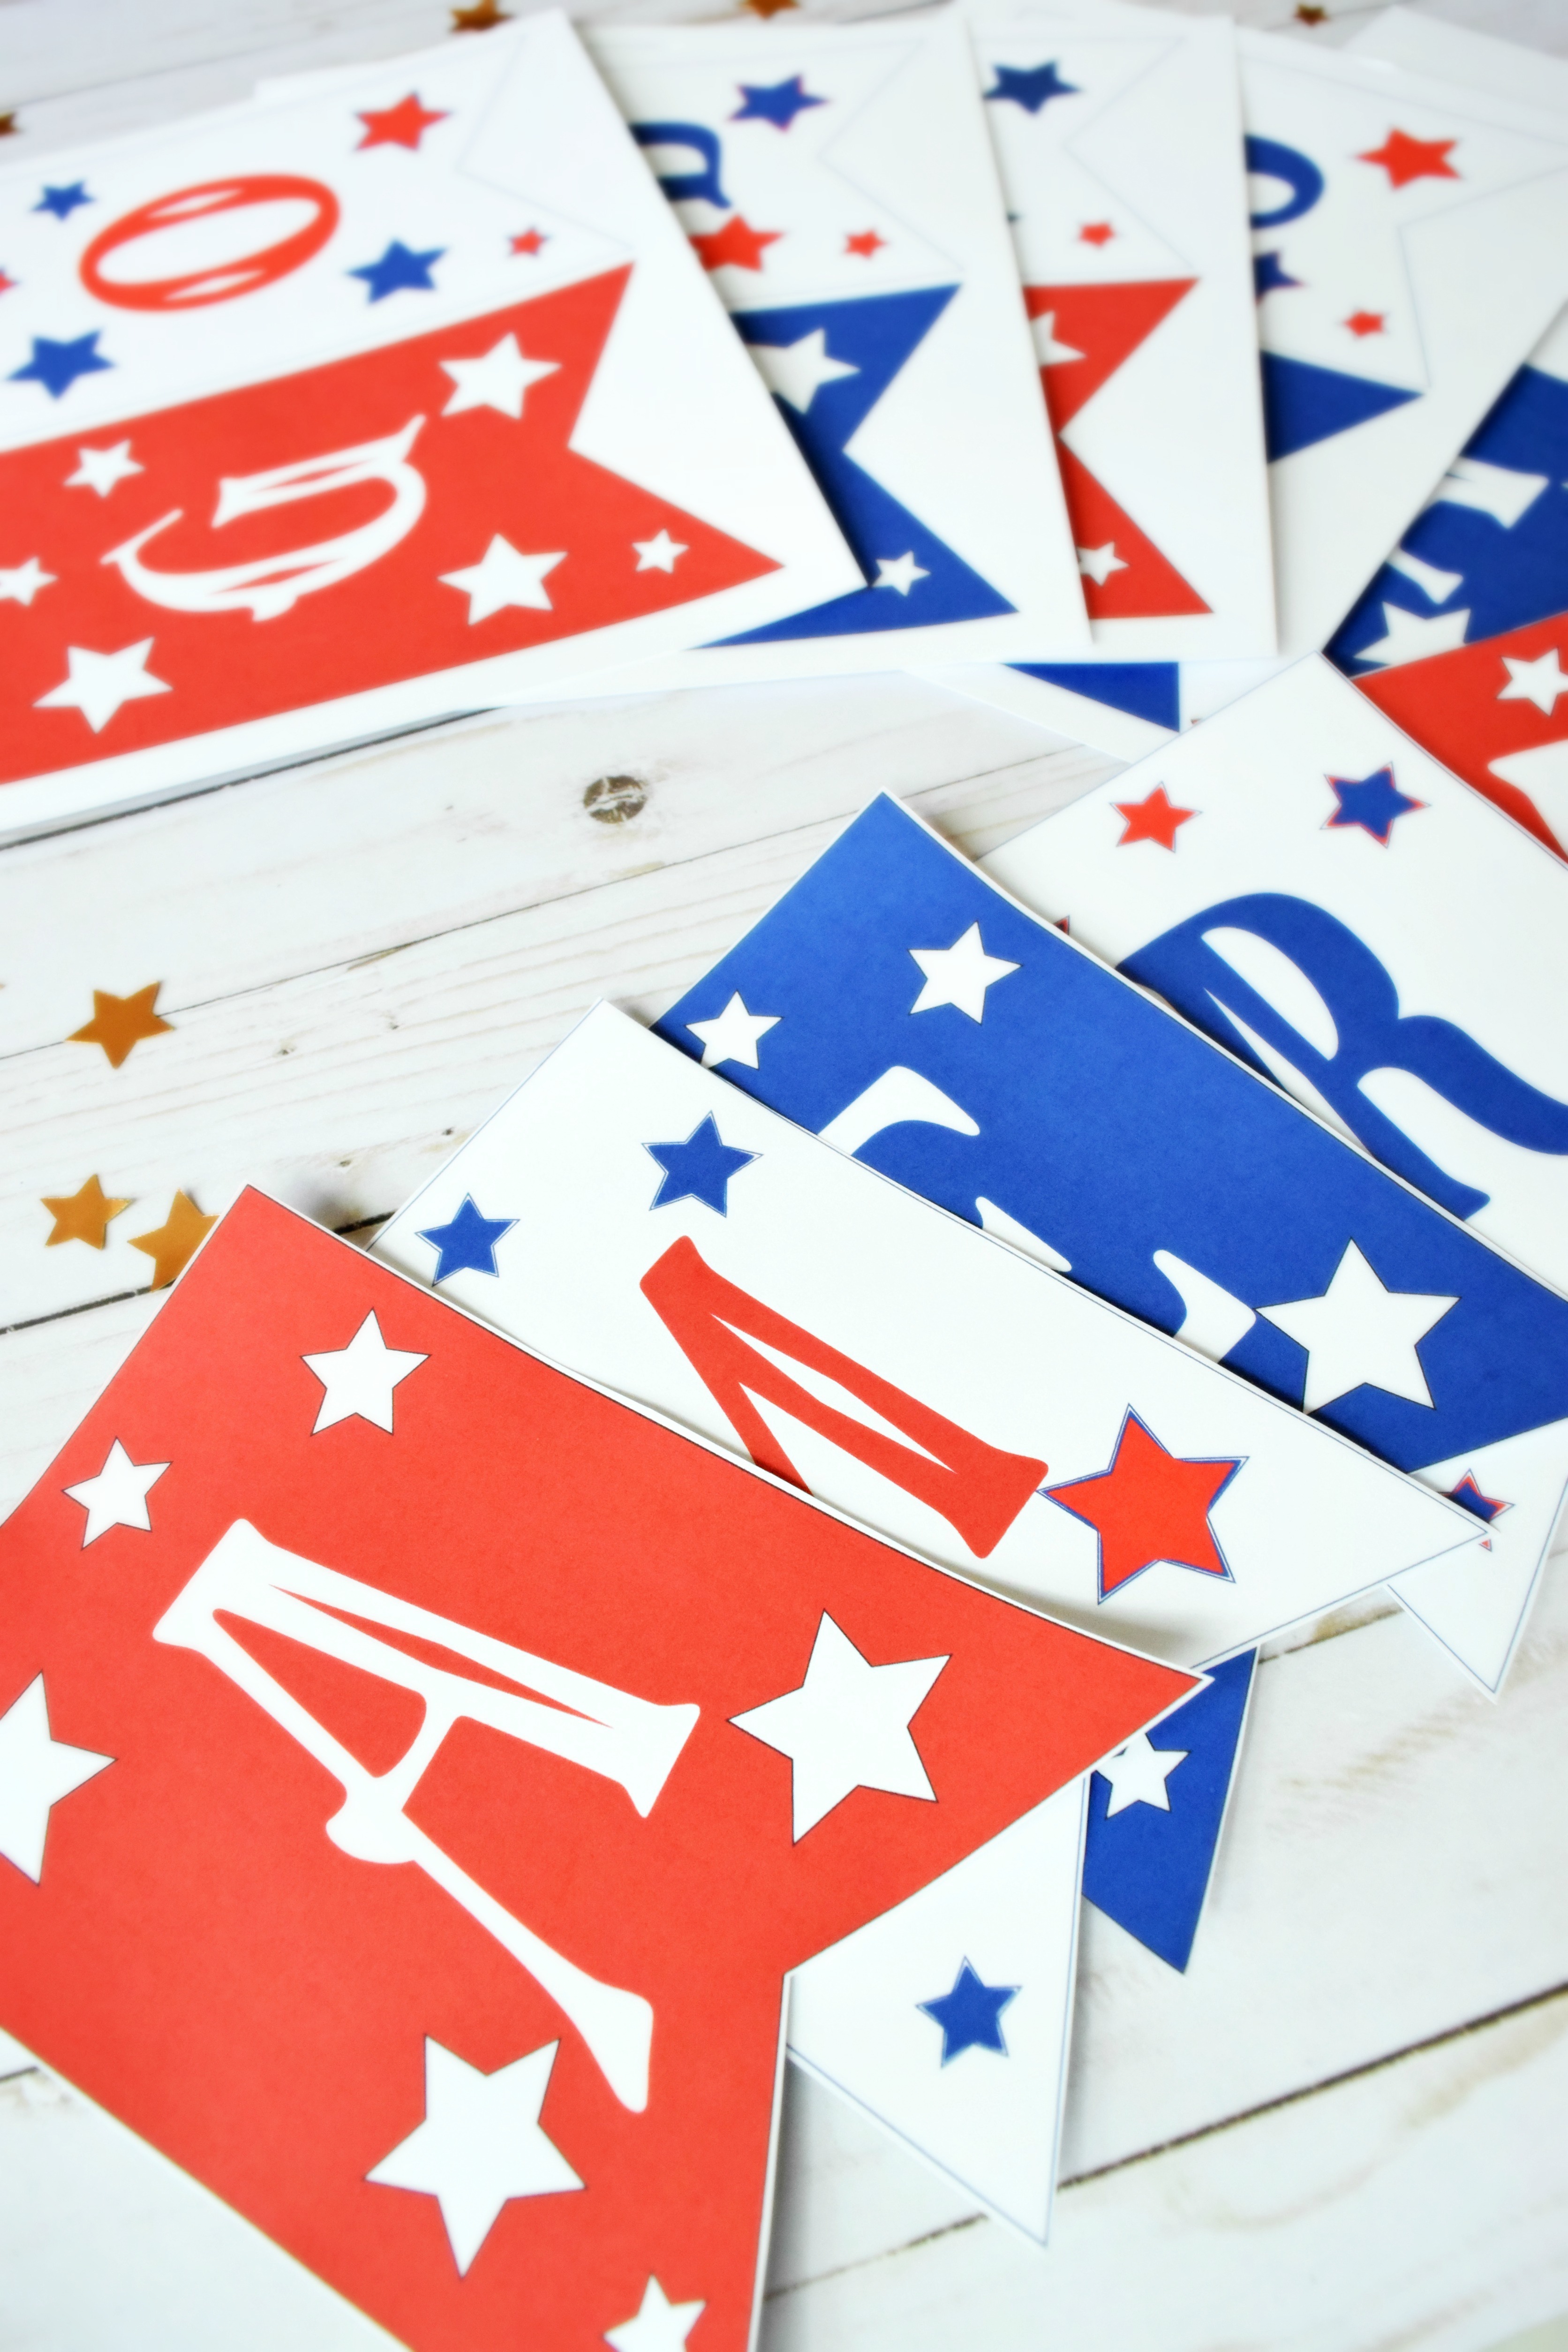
1148,1505
403,125
1156,817
1406,159
1374,803
1485,1507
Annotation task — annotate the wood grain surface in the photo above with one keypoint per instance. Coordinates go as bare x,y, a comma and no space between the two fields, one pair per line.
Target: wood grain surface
1342,2130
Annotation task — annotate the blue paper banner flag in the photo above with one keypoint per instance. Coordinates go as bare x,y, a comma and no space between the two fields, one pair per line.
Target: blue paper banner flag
899,1003
1155,1812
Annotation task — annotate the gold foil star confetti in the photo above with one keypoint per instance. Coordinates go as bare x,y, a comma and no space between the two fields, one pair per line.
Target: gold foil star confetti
83,1215
482,17
172,1244
121,1022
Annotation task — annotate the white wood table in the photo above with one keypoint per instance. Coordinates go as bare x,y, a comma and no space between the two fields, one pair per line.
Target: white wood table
1345,2126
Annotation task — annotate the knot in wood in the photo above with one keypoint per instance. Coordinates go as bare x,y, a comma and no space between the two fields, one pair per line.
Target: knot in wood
614,799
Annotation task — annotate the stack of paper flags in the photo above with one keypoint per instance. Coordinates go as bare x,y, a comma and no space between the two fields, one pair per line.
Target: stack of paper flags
800,1492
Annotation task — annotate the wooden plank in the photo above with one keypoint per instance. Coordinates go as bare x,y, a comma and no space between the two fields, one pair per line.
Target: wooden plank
1425,2203
342,1089
351,856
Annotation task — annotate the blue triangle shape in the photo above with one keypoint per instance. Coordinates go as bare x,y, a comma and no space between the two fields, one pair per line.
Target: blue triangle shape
1303,403
1150,690
1149,1869
875,335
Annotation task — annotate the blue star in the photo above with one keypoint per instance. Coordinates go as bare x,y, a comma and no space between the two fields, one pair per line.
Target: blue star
778,102
398,270
1031,87
1268,274
697,1170
1485,1507
970,2015
63,201
468,1243
1375,803
58,366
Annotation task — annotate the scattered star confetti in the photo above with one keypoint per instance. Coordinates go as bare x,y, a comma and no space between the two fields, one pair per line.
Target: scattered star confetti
83,1215
174,1244
121,1022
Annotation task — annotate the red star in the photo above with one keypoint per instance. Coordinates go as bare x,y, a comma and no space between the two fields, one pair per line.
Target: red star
1406,159
6,283
403,125
1308,14
866,243
1367,322
1148,1505
1095,233
1153,819
532,240
737,244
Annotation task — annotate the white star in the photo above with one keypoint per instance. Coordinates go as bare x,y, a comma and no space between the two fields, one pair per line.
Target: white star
1540,681
1411,636
499,380
479,2144
657,554
846,1728
899,572
1049,353
959,975
1098,564
732,1036
1358,1331
660,2326
1138,1774
797,372
117,1497
97,684
101,468
36,1772
359,1379
23,582
503,577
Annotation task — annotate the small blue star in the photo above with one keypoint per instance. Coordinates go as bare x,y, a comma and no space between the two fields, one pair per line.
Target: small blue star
1485,1507
778,102
1031,87
468,1243
58,366
399,271
1268,274
697,1170
63,201
970,2015
1375,803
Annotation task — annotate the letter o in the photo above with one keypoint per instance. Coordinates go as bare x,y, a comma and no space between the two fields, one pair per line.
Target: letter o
1270,159
224,281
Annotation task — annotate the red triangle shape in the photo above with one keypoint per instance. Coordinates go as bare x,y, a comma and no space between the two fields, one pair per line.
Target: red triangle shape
1107,324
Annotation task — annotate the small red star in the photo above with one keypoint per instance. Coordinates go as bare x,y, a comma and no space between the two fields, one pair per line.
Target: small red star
737,246
1095,233
532,240
1307,14
1148,1505
6,283
1366,322
865,243
403,125
1406,159
482,17
1153,819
